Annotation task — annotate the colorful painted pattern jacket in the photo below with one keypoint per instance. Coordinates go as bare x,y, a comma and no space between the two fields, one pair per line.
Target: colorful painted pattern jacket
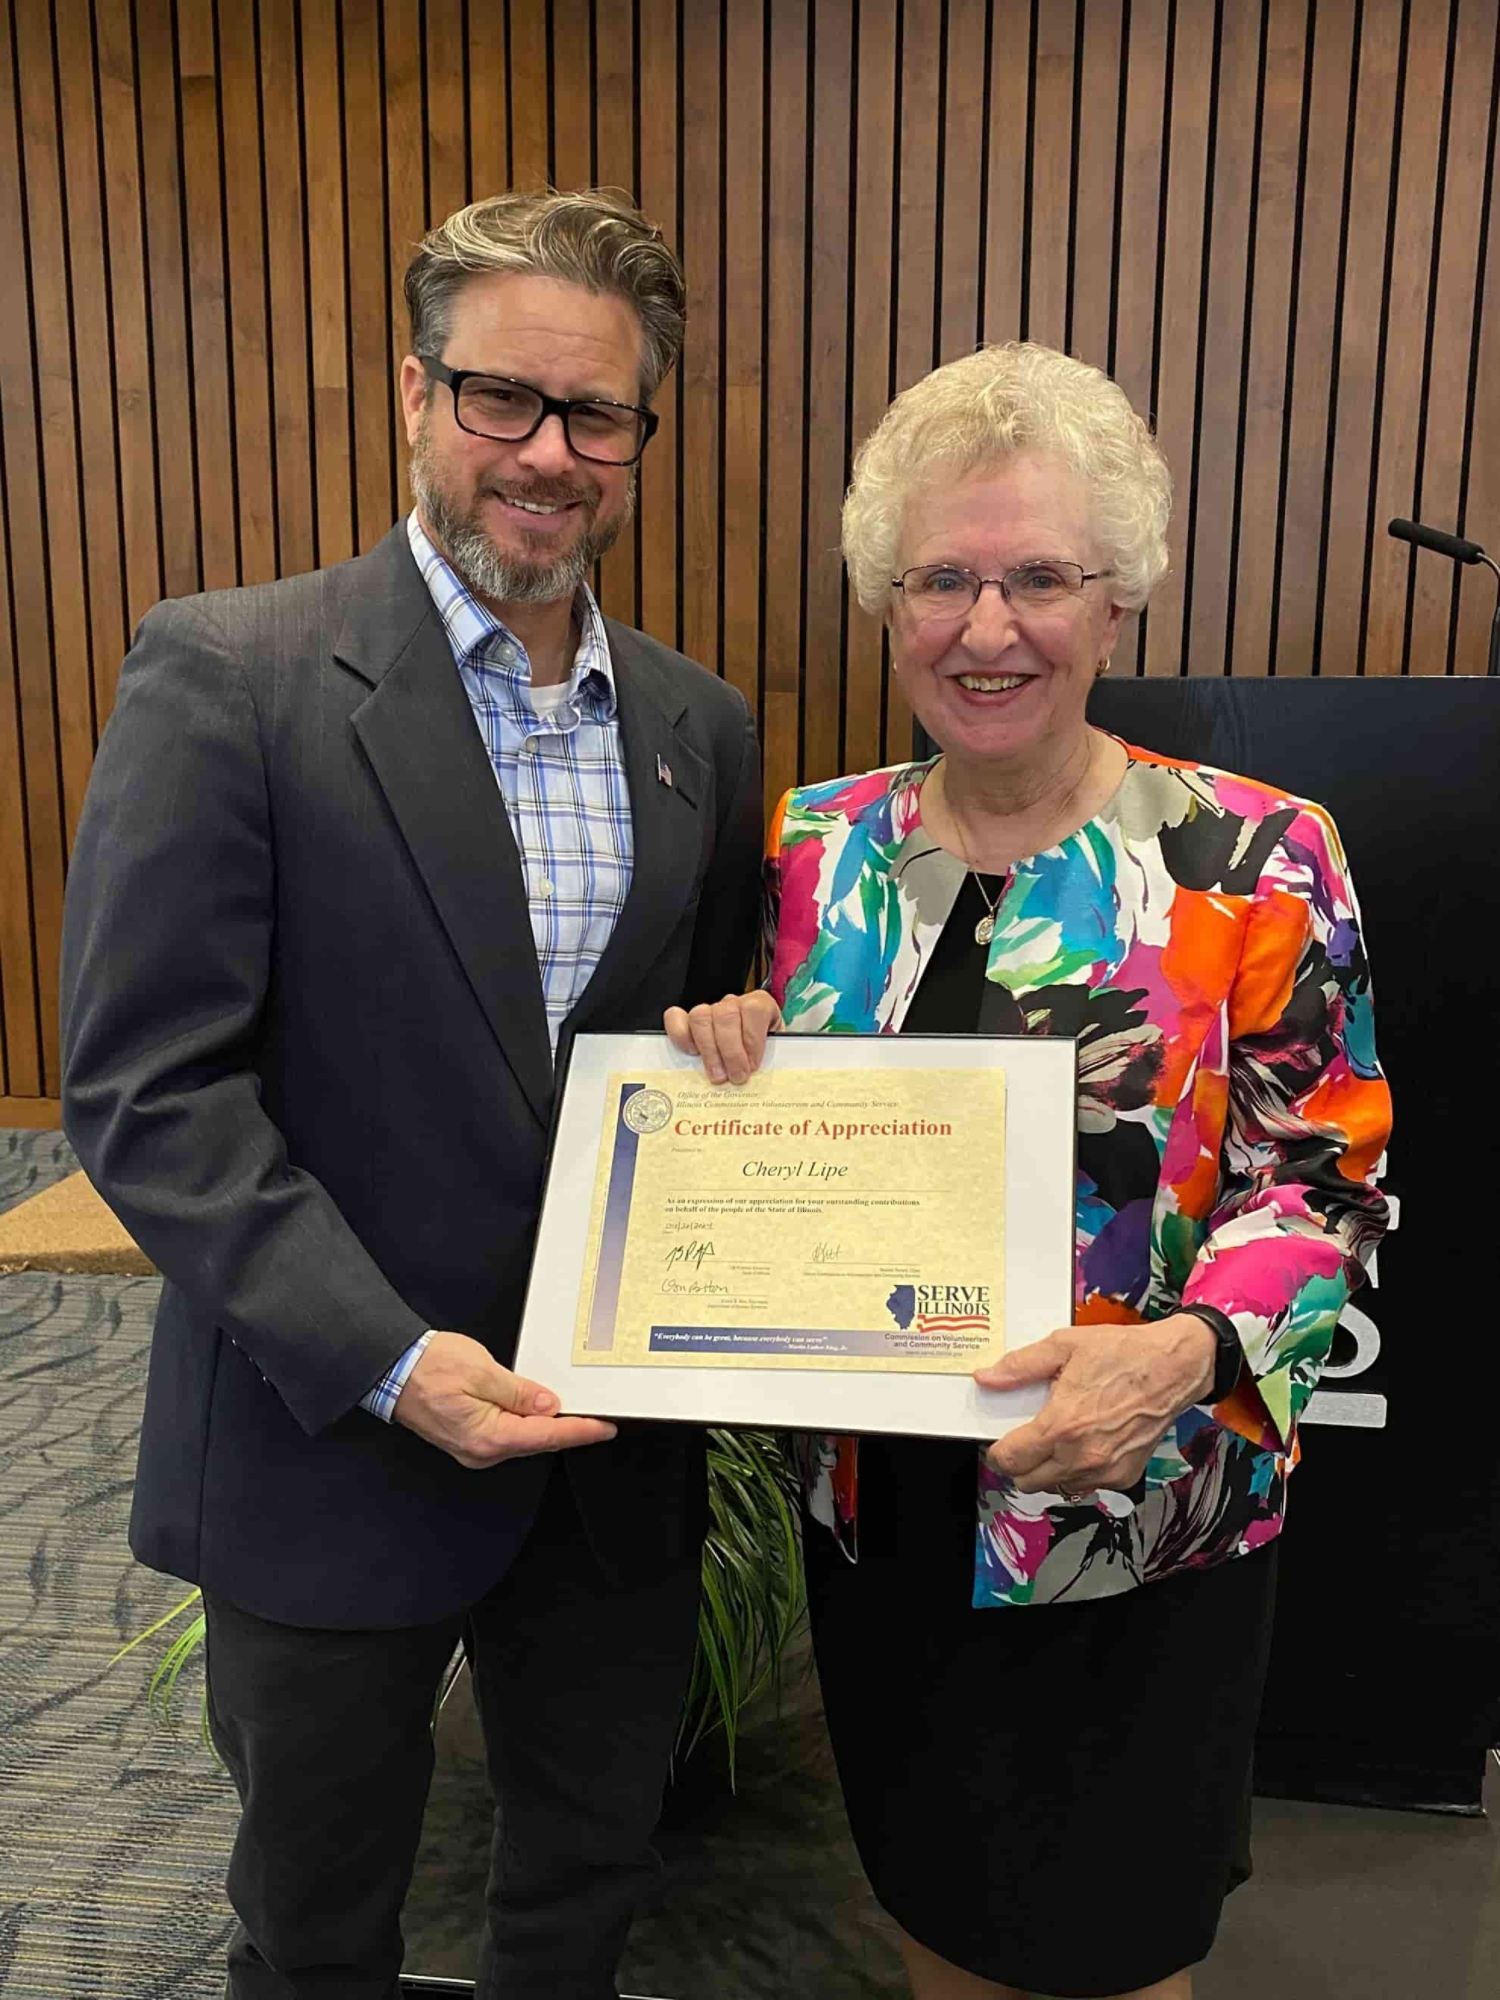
1200,939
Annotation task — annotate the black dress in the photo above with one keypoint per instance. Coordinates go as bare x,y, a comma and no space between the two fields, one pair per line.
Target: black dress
1056,1797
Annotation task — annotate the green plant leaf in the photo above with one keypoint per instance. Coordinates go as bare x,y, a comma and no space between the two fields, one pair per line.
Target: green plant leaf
753,1592
151,1630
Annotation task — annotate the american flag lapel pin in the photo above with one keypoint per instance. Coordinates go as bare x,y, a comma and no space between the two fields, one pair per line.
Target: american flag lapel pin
663,771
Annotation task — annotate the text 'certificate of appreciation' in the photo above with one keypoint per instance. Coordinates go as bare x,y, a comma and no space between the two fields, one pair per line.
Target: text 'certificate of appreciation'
798,1223
834,1245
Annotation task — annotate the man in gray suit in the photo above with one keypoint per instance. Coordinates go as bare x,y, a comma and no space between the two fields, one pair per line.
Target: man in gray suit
362,851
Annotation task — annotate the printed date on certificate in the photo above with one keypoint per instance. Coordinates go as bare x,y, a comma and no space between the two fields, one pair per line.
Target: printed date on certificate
813,1219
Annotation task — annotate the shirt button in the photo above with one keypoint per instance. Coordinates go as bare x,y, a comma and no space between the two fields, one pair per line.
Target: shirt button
544,887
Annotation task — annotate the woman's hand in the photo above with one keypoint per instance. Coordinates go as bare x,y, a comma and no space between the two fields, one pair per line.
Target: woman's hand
1115,1391
730,1036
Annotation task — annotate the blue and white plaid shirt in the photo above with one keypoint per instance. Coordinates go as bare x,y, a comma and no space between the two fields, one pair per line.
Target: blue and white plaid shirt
561,773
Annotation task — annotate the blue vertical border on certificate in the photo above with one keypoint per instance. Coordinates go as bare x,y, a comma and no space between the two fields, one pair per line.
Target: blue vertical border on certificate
600,1337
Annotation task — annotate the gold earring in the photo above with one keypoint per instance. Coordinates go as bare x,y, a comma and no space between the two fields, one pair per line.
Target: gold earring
1102,669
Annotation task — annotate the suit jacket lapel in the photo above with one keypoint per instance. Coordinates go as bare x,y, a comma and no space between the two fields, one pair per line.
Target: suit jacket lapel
418,730
671,812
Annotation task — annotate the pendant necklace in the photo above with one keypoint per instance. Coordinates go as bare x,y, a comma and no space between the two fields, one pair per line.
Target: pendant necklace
984,930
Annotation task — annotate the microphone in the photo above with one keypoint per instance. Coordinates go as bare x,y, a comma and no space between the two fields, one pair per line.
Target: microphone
1461,551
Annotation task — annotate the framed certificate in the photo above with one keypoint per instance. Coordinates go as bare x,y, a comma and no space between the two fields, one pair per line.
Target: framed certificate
835,1245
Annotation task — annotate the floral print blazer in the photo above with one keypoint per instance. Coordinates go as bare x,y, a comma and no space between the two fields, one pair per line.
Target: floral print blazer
1200,938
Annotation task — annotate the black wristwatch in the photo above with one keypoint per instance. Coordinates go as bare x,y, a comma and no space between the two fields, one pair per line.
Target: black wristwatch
1231,1357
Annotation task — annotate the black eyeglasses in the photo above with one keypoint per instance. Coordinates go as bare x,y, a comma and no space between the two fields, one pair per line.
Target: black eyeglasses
943,590
493,406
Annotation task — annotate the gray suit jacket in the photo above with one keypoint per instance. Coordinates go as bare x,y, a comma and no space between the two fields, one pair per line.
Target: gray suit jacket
306,1062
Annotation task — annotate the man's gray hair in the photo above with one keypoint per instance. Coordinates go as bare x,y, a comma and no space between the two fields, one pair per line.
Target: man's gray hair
595,238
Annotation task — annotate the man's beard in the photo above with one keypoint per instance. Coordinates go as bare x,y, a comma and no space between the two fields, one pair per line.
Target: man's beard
472,551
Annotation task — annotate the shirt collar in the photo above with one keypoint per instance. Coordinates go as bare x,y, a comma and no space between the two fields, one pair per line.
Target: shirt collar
472,628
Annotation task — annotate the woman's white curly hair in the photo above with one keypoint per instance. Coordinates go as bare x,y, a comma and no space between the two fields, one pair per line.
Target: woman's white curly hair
983,409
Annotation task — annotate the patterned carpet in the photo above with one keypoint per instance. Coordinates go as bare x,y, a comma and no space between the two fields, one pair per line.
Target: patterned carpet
114,1832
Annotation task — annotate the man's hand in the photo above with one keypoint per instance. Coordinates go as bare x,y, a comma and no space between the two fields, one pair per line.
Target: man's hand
459,1398
730,1036
1115,1391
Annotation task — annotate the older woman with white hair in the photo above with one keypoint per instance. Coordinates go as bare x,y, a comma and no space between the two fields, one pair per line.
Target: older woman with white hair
1042,1671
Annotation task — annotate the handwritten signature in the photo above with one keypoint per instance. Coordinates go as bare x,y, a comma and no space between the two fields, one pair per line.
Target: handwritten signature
690,1255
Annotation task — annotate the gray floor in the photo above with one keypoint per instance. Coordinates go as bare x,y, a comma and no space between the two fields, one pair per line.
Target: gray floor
764,1895
114,1832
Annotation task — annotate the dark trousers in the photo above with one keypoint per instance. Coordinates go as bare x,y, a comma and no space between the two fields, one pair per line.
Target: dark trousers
328,1738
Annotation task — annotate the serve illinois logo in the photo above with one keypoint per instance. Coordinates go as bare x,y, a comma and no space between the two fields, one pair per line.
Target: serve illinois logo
940,1308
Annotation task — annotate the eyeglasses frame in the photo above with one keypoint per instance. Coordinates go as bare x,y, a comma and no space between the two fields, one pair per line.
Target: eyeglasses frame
560,407
1001,583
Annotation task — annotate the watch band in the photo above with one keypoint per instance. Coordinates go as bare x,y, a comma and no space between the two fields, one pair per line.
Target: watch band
1231,1355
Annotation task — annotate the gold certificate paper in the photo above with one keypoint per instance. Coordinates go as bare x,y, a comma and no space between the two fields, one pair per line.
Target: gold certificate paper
811,1219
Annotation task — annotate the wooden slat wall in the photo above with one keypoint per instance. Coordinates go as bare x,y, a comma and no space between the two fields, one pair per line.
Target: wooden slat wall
1274,220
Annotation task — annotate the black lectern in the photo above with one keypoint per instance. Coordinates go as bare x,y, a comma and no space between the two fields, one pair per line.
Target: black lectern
1385,1673
1385,1676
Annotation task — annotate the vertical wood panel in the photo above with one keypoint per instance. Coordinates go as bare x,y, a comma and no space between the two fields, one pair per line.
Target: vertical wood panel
1191,60
1320,275
135,423
93,342
1009,150
1404,333
67,609
1051,175
20,1057
33,877
198,89
785,384
823,755
369,271
572,94
702,363
327,273
447,96
1098,147
1140,204
166,297
1289,256
1359,337
489,116
1270,336
1480,512
531,144
20,1052
1133,359
874,219
659,539
962,269
406,198
1446,401
249,307
286,245
744,380
614,167
1224,332
921,81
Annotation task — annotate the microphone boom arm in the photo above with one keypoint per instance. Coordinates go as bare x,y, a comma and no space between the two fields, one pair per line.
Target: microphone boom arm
1459,550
